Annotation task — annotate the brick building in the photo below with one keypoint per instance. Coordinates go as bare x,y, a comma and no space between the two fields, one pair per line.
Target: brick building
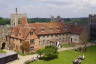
39,35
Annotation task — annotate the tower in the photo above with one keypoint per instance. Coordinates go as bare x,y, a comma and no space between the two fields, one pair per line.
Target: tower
59,19
92,27
52,18
16,18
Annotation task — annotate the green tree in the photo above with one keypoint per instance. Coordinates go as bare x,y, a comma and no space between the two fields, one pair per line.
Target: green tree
40,52
50,52
4,21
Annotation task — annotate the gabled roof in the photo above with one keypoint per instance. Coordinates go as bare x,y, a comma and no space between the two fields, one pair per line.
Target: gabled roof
20,32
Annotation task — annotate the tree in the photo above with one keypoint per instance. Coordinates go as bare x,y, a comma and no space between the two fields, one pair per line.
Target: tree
84,38
4,21
50,52
25,46
40,52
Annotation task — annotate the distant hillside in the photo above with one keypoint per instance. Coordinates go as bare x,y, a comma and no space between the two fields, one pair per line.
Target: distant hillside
83,21
32,20
4,21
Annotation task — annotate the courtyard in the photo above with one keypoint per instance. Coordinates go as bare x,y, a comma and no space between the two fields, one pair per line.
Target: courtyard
66,57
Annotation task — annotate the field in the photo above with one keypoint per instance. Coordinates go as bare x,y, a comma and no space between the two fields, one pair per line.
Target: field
66,57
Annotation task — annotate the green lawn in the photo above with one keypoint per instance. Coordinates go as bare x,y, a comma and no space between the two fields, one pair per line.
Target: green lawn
2,51
66,57
67,45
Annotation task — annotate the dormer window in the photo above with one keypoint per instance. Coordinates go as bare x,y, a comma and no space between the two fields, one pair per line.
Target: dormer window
42,29
65,27
50,28
57,27
34,28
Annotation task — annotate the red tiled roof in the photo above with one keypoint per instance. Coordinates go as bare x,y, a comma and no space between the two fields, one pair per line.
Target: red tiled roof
76,29
22,31
48,28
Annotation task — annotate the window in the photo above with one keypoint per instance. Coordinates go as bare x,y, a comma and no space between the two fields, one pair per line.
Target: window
50,28
42,43
42,29
42,36
31,33
32,41
43,40
75,39
63,39
33,28
19,22
31,48
57,27
65,27
49,36
56,35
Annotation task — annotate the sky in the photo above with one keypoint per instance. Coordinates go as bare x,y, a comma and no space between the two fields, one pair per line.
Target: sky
48,8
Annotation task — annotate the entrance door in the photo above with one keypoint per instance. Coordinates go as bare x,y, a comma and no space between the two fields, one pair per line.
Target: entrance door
71,40
3,45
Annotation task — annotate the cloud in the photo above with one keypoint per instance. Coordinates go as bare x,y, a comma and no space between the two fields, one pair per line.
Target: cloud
46,8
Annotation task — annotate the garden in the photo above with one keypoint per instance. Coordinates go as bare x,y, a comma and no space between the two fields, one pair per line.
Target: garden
66,57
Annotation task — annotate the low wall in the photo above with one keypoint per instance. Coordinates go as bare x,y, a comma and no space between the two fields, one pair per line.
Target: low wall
5,57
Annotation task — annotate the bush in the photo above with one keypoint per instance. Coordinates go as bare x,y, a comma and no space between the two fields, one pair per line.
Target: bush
50,52
40,52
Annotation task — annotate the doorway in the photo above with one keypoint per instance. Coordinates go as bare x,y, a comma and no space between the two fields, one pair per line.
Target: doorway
3,45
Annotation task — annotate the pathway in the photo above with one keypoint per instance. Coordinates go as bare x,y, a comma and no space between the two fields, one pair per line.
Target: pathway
22,59
75,47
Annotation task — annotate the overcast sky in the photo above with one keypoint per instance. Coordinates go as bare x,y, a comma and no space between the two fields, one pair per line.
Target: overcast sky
47,8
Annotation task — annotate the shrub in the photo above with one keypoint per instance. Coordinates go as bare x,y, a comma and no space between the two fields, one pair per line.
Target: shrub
50,52
40,52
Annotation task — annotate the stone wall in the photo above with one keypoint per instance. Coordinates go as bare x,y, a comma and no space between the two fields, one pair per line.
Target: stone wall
45,39
4,31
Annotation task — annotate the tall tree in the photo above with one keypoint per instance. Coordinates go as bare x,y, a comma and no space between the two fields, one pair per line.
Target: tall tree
25,46
84,37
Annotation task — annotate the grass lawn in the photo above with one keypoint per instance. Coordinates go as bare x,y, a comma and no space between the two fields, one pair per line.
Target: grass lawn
67,45
2,51
66,57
